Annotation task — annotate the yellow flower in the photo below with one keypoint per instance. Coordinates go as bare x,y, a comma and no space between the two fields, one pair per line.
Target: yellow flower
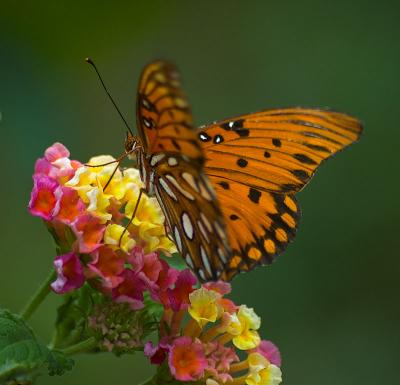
204,306
243,326
262,372
113,234
82,182
98,203
148,223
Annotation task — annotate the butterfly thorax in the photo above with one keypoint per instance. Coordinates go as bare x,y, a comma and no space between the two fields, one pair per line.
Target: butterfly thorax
133,147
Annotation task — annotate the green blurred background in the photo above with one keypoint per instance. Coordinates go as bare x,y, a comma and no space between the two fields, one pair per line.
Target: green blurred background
331,302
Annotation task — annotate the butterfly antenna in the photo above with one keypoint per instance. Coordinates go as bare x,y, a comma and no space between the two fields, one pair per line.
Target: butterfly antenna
90,61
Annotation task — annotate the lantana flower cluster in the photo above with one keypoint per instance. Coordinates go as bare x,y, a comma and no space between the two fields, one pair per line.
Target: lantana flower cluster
207,338
204,337
87,210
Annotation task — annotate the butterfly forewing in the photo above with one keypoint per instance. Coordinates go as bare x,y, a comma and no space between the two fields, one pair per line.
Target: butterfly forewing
194,216
276,150
163,113
257,162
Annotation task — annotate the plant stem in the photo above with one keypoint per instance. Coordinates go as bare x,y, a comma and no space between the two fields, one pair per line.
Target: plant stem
80,347
149,381
38,297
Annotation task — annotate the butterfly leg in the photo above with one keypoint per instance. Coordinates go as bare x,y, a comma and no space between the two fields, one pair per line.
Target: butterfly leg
118,160
111,176
142,190
167,230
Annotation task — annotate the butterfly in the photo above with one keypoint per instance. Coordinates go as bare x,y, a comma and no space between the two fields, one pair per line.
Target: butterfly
228,189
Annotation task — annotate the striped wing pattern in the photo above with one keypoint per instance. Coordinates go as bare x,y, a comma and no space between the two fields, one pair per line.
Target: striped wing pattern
164,118
194,216
257,162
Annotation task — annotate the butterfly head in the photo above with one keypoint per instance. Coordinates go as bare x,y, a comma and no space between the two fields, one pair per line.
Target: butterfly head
132,144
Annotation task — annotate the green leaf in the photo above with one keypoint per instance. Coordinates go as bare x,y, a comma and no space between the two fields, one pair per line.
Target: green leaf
72,316
176,261
22,356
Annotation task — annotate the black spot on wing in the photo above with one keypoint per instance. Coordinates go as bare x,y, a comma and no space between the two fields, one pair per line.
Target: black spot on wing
224,185
242,162
218,139
234,217
304,159
286,187
176,144
276,142
267,154
301,174
233,125
243,133
316,147
204,137
254,195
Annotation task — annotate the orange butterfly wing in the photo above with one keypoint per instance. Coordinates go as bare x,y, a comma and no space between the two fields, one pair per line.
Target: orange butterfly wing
256,162
276,150
163,114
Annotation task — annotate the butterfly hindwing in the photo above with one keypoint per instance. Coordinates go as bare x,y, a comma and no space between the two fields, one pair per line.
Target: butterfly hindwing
164,118
193,215
260,224
276,150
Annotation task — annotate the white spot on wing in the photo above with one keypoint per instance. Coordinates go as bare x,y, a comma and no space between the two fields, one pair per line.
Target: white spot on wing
187,194
167,189
220,231
206,262
189,261
222,256
155,159
202,275
203,231
187,226
178,240
231,124
206,222
189,178
172,161
204,192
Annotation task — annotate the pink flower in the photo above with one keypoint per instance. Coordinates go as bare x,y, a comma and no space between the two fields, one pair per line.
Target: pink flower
43,197
130,290
108,265
69,205
56,163
186,359
270,352
166,280
55,152
220,287
148,267
179,296
219,360
89,233
157,354
69,273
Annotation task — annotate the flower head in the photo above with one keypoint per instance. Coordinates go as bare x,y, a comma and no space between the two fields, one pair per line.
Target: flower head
187,359
205,349
87,209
